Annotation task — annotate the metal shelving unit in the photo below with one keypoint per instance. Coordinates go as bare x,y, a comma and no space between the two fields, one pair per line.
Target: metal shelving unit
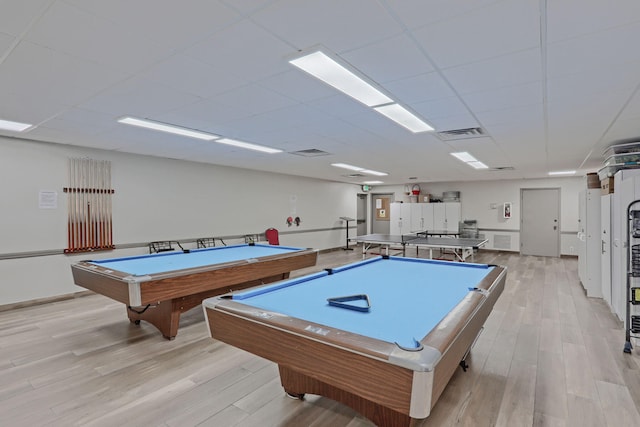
632,318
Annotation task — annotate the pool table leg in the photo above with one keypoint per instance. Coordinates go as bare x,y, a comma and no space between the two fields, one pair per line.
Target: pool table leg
165,315
297,384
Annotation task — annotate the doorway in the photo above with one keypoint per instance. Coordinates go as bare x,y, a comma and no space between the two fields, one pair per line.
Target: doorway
361,215
540,221
381,212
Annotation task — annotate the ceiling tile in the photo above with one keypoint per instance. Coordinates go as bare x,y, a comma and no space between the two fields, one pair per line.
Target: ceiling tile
169,24
196,77
244,50
501,28
341,26
420,13
102,41
505,97
507,70
598,52
22,14
51,77
573,18
137,97
420,88
388,60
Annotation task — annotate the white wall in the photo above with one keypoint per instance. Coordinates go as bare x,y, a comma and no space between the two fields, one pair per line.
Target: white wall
477,197
155,199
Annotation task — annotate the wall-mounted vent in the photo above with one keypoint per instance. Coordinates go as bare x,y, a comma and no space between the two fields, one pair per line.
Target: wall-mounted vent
311,152
502,241
450,135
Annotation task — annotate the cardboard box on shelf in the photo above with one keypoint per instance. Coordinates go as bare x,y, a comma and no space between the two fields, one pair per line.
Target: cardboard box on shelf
606,186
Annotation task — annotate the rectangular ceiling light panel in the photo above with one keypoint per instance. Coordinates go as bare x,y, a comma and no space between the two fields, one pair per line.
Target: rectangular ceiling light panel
464,156
560,173
324,68
163,127
403,117
346,166
14,126
248,146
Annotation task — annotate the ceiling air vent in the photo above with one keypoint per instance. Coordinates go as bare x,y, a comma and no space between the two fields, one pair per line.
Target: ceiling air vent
503,168
311,152
450,135
354,175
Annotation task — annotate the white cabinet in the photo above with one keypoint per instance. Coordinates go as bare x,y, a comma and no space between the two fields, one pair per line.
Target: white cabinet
605,237
414,217
590,251
446,216
627,189
421,217
400,219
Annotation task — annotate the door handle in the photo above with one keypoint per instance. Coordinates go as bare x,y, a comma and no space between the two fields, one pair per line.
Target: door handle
603,242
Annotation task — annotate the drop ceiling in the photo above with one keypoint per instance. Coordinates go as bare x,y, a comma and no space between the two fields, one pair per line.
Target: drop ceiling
550,83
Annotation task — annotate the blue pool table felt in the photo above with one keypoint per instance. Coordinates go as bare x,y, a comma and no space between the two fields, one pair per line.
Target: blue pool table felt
408,296
178,260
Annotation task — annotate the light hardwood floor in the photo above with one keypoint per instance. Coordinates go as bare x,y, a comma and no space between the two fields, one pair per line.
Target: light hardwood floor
548,356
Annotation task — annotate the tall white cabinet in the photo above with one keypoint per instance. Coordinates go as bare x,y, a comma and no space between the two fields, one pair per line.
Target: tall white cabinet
414,217
446,217
627,189
590,249
421,217
400,219
606,242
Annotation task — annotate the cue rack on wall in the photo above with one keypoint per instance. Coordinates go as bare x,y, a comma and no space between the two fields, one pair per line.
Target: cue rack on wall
90,226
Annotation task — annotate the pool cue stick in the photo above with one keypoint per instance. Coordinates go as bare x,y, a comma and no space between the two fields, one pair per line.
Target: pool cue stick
69,237
87,189
110,205
78,206
104,205
84,202
94,222
74,192
87,208
107,199
99,204
92,206
99,198
90,201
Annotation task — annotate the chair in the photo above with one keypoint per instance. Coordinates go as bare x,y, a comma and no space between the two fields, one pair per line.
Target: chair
272,236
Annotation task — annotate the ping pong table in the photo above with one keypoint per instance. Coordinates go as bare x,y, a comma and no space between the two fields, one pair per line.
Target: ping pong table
460,248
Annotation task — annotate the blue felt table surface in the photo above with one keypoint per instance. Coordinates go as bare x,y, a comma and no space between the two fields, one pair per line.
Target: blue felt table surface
408,296
170,261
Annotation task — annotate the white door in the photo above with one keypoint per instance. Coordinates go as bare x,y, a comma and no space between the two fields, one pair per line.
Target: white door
361,215
540,221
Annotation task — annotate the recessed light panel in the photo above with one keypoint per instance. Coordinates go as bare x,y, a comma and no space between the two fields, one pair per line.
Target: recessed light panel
324,68
14,126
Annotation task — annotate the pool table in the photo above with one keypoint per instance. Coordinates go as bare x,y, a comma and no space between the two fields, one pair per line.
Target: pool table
387,349
157,288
